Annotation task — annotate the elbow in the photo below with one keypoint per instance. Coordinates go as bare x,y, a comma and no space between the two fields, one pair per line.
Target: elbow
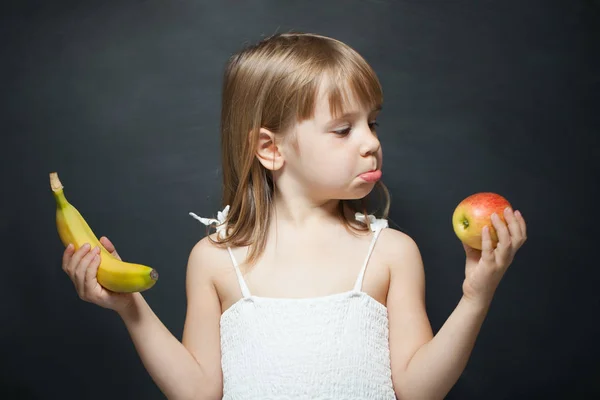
210,386
205,385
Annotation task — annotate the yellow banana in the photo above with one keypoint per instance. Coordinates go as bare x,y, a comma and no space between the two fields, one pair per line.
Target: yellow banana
113,274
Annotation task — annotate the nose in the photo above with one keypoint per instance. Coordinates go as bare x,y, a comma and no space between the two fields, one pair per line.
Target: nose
370,143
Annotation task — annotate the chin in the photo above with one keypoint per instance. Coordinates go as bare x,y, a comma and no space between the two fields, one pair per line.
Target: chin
359,192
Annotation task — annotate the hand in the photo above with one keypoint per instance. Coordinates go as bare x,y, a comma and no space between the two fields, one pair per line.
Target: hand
82,267
486,267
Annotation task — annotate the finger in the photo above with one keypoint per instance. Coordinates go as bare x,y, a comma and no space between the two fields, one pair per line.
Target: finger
109,246
513,226
504,240
67,254
522,224
90,280
76,258
80,271
487,247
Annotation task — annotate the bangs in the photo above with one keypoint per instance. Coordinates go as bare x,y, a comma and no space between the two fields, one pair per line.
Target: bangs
350,80
358,85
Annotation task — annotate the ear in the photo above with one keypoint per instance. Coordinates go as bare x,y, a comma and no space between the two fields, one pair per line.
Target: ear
267,151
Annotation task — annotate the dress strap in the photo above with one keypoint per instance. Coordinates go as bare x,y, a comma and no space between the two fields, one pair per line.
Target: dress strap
377,225
241,281
221,232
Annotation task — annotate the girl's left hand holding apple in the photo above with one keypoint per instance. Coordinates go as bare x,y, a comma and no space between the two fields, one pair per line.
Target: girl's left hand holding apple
486,267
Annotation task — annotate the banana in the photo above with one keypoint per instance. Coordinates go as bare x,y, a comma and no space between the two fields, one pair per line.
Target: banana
113,274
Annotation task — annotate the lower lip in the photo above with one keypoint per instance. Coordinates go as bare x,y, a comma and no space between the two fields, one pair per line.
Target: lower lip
372,176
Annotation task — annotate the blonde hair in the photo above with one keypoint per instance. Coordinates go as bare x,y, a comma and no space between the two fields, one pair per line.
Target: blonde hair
273,84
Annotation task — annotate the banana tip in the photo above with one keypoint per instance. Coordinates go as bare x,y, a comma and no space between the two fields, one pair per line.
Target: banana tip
55,182
154,275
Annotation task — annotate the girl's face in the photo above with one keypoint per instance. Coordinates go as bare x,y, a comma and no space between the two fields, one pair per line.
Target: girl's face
334,158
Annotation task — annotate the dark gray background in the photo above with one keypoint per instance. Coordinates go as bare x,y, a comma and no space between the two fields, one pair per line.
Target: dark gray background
122,99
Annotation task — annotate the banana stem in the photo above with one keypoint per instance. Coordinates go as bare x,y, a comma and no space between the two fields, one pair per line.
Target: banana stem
57,190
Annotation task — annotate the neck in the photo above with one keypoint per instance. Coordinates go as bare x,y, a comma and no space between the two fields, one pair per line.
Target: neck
300,211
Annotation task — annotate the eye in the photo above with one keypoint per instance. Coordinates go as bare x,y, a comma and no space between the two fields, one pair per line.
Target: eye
343,132
346,131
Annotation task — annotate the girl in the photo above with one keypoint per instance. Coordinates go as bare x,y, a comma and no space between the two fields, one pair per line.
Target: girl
300,294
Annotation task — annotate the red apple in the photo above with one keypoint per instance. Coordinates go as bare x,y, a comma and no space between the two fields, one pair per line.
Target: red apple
473,213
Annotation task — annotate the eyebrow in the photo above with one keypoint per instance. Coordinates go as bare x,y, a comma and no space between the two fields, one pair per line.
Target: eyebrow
355,113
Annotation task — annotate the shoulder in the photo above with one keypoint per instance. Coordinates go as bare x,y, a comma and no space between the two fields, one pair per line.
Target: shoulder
401,254
207,258
398,249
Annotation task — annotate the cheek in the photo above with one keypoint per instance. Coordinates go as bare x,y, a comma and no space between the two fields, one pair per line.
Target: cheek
314,153
323,160
327,155
330,168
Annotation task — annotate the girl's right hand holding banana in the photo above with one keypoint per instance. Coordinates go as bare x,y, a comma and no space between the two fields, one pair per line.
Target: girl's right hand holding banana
82,266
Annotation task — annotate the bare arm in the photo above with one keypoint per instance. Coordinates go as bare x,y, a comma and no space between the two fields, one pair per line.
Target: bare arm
443,359
190,369
424,366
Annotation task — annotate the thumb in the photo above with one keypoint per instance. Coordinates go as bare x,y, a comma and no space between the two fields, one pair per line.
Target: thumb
109,246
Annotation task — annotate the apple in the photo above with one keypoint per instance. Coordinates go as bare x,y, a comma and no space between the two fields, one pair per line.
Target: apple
473,213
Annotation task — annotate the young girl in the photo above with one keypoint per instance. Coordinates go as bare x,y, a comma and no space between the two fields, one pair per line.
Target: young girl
301,294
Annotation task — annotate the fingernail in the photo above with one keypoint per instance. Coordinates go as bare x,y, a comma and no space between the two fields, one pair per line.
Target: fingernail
86,246
518,213
96,249
507,210
494,216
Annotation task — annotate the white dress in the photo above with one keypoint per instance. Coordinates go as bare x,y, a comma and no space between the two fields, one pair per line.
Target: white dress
329,347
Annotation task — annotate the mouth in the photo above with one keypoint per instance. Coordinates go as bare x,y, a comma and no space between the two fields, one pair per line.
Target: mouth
371,176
